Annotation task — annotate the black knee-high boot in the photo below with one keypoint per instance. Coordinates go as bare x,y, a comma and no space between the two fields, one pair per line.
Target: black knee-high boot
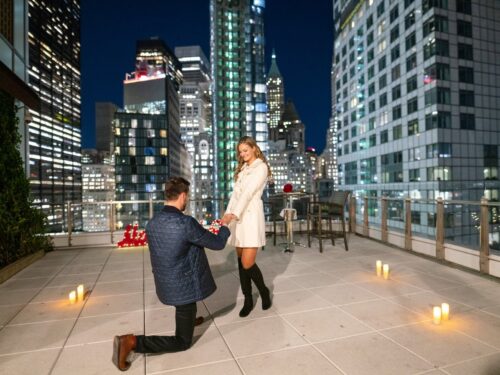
256,275
246,288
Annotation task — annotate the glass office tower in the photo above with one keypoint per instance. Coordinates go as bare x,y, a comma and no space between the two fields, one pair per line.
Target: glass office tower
54,132
196,127
239,89
415,91
147,137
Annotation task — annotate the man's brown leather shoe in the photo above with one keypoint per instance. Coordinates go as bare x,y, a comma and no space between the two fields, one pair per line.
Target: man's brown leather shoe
199,321
122,346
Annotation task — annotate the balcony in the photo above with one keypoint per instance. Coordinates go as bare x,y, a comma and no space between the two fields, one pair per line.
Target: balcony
331,314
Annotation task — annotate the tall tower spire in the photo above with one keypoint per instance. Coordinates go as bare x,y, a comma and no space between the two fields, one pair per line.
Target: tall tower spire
274,71
275,94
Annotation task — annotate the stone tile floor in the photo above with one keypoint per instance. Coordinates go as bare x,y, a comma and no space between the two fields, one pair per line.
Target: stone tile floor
331,315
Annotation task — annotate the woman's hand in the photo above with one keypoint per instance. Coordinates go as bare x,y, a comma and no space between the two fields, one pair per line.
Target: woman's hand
227,218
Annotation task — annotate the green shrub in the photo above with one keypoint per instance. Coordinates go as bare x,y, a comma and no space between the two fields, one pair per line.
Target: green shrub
22,226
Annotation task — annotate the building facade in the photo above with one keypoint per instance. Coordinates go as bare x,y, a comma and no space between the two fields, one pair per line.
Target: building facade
54,130
142,164
275,94
196,127
14,67
415,90
239,88
98,186
147,135
289,160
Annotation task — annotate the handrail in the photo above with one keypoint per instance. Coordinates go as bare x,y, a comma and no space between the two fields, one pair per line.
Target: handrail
374,221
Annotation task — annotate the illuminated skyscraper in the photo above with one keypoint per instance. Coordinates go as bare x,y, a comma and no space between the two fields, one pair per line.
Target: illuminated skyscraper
239,90
275,94
196,127
194,94
148,148
414,105
98,185
54,133
153,88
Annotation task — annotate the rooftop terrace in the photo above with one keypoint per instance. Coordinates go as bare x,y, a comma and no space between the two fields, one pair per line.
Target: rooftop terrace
331,315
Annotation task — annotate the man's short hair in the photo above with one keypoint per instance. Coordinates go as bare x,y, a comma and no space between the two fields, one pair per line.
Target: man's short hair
174,187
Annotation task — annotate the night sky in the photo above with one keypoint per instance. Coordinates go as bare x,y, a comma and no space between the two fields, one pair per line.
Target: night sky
301,34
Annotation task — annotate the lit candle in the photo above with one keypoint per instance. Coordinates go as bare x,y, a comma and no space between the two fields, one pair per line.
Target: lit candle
378,266
436,313
386,271
81,292
72,297
445,311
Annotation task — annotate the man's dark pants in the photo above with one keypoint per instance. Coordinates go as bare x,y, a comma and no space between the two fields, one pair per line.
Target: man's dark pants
185,316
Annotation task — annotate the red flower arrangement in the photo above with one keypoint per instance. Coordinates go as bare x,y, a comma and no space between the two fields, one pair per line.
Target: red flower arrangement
215,226
135,238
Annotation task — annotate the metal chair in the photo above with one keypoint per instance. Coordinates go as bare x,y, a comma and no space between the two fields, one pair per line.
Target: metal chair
273,207
328,210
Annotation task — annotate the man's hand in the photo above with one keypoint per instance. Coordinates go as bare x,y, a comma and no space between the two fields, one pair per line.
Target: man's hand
227,218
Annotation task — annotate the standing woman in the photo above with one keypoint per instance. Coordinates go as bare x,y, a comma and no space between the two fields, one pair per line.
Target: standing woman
248,231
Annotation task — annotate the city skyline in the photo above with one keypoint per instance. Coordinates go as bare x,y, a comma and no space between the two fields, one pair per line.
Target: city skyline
105,60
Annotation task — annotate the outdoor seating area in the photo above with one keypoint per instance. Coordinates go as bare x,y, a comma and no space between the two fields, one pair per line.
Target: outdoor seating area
331,314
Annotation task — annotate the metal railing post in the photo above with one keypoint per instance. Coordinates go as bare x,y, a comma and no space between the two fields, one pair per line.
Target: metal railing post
484,245
366,230
69,218
408,224
440,254
383,224
352,215
112,221
150,208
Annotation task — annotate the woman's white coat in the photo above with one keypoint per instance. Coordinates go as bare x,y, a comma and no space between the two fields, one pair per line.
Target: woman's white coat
249,230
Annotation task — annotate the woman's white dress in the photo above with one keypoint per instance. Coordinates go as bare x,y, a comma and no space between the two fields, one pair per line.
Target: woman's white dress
246,203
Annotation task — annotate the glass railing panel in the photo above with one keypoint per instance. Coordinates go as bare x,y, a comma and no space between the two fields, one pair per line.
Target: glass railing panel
395,215
461,224
494,228
374,212
423,218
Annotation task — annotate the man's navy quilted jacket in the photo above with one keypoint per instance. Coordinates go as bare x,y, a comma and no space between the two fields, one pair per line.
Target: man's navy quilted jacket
180,266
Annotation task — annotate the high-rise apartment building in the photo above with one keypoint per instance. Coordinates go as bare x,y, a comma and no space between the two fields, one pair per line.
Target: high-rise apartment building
194,94
98,185
54,132
415,90
329,154
275,94
290,162
142,164
153,88
196,127
147,137
239,89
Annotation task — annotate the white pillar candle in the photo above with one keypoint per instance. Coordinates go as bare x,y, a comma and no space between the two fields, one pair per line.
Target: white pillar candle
72,297
445,311
378,266
436,315
386,271
80,290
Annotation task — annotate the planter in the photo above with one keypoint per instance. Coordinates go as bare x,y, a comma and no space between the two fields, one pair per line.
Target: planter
20,264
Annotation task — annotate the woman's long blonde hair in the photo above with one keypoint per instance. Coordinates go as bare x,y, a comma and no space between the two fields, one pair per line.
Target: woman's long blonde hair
249,141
